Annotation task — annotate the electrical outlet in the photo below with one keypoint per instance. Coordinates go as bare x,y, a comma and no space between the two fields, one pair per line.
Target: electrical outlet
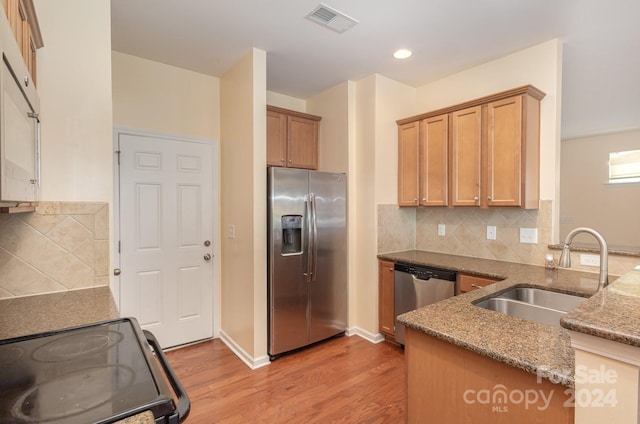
491,232
528,235
589,260
231,231
441,230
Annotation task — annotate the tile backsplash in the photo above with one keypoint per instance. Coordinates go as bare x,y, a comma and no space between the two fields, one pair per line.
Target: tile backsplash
62,246
466,234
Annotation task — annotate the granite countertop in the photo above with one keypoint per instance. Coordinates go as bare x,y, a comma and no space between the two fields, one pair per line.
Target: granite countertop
536,348
612,313
22,316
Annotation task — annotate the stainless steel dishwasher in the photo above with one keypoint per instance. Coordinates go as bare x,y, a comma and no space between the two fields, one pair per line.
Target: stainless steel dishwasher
417,286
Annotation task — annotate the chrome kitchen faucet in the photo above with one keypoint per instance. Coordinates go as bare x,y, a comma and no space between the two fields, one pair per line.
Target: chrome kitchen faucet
565,257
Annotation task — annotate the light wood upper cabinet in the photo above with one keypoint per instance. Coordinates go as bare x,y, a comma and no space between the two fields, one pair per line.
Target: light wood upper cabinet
386,298
466,157
434,158
408,163
276,138
19,122
493,153
512,152
292,138
26,31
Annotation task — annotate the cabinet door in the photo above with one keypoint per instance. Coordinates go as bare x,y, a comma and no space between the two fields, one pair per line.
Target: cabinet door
386,308
18,143
408,163
302,143
276,138
504,152
466,141
434,141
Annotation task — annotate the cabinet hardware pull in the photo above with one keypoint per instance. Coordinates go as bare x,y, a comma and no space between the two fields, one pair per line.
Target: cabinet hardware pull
26,80
488,197
476,199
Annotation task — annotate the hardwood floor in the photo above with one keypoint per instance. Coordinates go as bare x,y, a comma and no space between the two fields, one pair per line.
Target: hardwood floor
343,380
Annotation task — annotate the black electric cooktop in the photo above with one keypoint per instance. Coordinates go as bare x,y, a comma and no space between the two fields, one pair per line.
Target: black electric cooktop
99,373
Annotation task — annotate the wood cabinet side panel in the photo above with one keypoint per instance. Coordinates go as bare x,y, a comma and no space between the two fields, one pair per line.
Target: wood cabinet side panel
386,298
449,384
531,179
408,164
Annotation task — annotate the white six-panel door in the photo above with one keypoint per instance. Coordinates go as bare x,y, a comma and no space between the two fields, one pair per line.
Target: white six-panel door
166,219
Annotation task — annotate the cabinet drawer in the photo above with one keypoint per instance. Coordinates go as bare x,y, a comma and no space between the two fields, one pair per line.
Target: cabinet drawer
467,283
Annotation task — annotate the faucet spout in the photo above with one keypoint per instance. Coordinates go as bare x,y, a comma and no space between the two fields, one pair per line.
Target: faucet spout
565,257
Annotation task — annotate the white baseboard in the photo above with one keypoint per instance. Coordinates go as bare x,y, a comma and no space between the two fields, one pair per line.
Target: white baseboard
372,337
254,363
249,360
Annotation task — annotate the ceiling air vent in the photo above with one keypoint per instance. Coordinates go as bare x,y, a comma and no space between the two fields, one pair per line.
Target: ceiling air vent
331,18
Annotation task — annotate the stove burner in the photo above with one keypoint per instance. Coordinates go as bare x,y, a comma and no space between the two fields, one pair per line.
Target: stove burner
79,391
76,345
9,354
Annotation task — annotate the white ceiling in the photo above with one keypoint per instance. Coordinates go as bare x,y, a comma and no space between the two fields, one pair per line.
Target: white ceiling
601,44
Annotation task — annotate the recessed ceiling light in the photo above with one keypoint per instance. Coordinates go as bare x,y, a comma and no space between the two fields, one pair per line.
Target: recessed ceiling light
402,54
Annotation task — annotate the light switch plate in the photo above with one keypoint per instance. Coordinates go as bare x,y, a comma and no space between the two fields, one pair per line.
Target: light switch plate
231,231
441,228
491,232
528,235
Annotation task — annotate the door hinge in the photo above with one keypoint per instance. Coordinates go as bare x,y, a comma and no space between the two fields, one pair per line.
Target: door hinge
119,246
118,154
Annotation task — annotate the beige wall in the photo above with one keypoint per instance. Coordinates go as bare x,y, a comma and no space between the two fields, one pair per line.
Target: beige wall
379,102
74,83
243,204
161,98
333,147
286,102
587,200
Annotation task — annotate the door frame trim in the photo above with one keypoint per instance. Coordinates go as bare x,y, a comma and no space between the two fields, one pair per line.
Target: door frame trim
215,225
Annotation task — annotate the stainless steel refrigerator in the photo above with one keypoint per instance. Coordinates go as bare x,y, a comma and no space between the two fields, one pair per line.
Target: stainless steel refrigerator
307,264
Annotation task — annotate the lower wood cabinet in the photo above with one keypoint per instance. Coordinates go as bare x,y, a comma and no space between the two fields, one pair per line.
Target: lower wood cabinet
386,308
449,384
467,282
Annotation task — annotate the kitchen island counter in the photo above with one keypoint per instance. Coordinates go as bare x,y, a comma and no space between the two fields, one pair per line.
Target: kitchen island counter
540,349
21,316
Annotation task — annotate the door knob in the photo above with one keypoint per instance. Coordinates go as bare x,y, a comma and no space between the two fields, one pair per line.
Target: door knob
207,257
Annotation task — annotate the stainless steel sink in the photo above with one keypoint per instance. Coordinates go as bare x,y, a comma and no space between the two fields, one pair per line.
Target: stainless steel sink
534,304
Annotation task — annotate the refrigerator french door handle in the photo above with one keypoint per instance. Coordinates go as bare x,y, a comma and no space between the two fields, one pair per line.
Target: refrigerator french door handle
315,238
308,248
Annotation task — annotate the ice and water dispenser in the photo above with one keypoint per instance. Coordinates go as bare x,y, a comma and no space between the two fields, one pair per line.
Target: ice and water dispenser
291,234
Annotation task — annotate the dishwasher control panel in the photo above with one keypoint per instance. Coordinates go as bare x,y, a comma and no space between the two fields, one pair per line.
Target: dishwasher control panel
425,273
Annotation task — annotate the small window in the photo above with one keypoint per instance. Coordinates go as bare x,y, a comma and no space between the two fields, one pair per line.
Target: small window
624,167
